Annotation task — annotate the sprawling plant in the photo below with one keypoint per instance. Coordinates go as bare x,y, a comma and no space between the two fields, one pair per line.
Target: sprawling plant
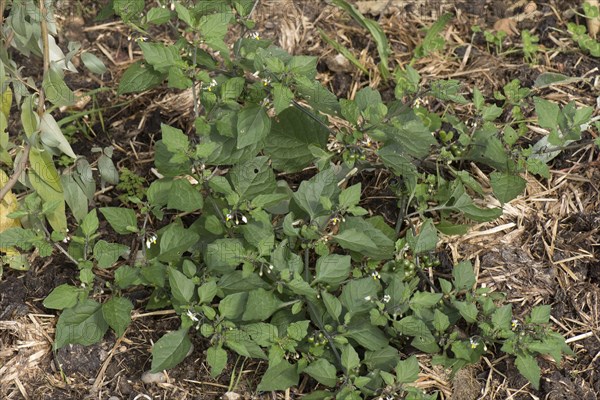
302,273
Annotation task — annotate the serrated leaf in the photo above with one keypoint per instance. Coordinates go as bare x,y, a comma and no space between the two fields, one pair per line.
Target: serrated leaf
502,317
224,254
117,313
463,276
170,350
160,56
309,193
529,368
158,15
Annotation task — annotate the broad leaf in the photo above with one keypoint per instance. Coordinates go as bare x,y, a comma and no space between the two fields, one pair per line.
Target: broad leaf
253,125
323,372
61,297
82,324
279,377
117,313
170,350
122,220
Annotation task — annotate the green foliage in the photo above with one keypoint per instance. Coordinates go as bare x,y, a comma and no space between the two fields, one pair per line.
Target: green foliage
291,269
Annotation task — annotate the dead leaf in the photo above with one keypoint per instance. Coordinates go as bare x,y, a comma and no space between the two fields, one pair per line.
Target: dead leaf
593,24
506,25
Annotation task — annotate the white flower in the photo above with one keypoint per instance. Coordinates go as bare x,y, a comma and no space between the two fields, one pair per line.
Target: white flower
375,275
266,81
271,267
255,35
192,315
368,298
150,240
387,298
474,342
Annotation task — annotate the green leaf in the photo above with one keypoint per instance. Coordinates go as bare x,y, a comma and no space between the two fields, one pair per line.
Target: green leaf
383,359
502,317
376,32
127,276
184,197
117,313
323,372
366,335
253,126
216,358
160,56
170,350
106,254
174,241
309,193
507,186
343,51
467,310
108,171
298,330
332,304
82,324
253,177
426,240
90,223
529,368
363,237
232,89
463,276
350,359
232,306
410,136
289,140
350,197
61,297
224,254
56,90
29,118
52,136
490,113
441,322
303,65
128,9
357,294
174,139
407,371
215,26
332,269
279,377
393,158
282,97
158,15
182,288
207,292
547,113
261,305
139,77
540,314
122,220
